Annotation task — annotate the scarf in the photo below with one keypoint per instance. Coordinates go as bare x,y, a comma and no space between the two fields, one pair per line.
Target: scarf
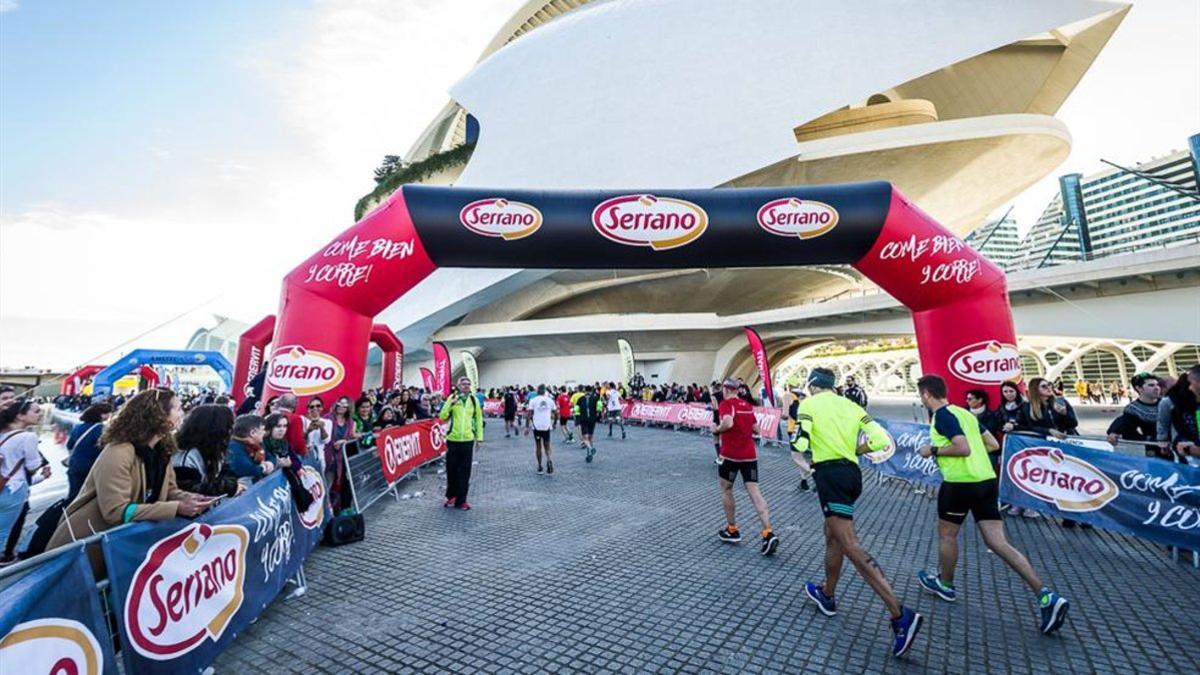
156,471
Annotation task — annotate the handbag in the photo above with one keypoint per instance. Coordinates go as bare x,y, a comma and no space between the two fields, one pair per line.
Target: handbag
344,530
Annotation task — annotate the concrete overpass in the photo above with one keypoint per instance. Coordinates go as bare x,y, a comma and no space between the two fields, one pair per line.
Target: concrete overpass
1151,296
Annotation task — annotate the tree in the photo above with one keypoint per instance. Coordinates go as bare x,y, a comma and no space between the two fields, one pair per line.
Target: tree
391,164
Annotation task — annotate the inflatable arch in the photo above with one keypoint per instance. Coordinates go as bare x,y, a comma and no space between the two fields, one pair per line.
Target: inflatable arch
958,299
252,345
143,359
73,384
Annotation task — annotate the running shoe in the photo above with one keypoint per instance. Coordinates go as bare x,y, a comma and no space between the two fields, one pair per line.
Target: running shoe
540,472
622,434
449,503
803,485
464,507
730,535
549,466
717,461
905,629
826,604
1054,610
770,544
933,584
591,452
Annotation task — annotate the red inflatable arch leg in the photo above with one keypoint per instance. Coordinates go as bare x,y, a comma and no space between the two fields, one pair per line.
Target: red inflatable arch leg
252,350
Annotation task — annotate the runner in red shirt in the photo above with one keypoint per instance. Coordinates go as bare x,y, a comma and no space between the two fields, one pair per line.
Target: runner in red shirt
563,400
739,455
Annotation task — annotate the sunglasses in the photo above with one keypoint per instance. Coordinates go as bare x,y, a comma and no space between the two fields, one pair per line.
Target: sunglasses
315,406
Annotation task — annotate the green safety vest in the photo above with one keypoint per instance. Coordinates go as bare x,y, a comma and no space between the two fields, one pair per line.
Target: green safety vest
973,468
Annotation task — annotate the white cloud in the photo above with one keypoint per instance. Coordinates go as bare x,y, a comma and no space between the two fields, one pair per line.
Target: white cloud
9,6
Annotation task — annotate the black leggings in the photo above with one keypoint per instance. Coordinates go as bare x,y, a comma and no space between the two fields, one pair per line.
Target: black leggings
458,470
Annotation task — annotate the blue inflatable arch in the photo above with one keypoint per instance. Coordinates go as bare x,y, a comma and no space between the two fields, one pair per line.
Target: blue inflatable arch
102,384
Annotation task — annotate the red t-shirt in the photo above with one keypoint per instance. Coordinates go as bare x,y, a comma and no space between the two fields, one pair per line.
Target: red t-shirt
564,405
737,443
297,434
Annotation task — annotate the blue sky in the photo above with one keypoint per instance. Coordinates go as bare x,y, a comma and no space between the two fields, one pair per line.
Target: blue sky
179,157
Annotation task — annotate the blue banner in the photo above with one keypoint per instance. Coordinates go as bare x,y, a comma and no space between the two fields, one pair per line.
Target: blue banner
1143,497
902,460
51,620
184,589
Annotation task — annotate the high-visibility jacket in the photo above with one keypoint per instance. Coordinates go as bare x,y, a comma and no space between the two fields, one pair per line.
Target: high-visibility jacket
466,418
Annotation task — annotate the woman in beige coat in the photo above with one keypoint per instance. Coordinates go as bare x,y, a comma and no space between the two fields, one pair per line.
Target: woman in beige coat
132,479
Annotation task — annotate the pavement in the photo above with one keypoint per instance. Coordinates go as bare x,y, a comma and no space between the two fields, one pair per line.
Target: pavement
615,566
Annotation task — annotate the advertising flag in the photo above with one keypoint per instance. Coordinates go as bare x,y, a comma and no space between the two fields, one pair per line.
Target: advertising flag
441,369
760,359
393,369
427,379
626,360
471,368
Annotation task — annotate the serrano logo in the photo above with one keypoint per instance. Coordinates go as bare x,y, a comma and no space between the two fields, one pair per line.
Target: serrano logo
499,217
1068,482
310,478
187,588
792,217
987,362
661,223
52,646
303,372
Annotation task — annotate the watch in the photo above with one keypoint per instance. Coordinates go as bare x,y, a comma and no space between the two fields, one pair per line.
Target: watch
933,450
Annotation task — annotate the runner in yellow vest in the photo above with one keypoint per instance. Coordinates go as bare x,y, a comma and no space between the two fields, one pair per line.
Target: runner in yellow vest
960,445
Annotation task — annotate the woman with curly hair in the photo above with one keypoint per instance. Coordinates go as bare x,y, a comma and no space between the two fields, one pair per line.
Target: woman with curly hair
275,440
132,478
203,441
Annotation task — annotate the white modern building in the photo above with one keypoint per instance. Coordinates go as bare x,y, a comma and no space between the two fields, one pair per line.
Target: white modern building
952,101
1154,204
999,240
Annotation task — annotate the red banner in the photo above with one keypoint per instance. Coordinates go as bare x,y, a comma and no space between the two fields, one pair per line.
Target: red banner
759,352
402,449
695,415
427,379
493,406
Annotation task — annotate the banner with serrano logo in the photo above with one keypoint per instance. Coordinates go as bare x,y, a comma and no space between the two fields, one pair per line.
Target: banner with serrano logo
1138,496
51,620
183,589
404,448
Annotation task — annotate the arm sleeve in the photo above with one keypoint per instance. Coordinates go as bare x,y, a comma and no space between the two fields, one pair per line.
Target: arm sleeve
946,424
1118,425
445,412
803,442
478,419
877,438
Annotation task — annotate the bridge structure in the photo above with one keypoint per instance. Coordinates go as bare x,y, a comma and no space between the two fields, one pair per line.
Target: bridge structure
1133,312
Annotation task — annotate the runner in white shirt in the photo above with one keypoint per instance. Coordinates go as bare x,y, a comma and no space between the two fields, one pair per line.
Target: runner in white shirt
612,406
542,409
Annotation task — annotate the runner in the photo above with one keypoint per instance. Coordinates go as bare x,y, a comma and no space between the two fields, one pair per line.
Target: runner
587,413
739,456
510,412
526,410
717,397
960,446
542,409
612,404
564,414
830,426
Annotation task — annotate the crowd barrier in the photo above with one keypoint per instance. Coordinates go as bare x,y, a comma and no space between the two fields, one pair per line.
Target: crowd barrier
182,590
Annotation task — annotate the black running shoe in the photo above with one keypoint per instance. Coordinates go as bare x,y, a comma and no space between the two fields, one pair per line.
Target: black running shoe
727,535
770,544
591,452
549,466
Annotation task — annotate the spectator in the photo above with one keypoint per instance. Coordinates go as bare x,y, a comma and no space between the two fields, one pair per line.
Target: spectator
364,421
1139,420
247,460
1185,414
855,393
341,434
1045,413
989,420
19,459
1114,391
7,396
1008,414
275,442
388,419
1081,389
318,430
203,441
132,478
1165,407
465,434
84,445
287,405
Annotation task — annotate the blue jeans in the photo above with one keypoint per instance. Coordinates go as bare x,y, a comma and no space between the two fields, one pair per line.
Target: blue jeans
11,503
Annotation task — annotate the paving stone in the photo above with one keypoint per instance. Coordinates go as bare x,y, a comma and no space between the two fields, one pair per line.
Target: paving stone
615,566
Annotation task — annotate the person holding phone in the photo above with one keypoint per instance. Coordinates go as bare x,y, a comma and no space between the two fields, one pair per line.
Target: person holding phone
133,478
465,414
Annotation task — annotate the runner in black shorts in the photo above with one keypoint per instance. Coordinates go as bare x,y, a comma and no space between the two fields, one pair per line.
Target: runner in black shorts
739,456
960,444
839,485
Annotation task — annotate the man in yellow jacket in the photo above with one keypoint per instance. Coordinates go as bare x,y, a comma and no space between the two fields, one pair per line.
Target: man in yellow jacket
466,430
